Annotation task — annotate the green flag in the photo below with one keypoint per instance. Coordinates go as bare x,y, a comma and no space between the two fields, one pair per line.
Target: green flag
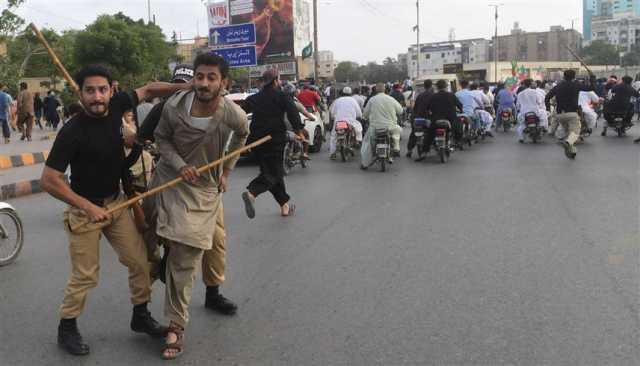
307,51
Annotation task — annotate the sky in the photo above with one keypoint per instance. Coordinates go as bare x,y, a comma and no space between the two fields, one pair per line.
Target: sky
355,30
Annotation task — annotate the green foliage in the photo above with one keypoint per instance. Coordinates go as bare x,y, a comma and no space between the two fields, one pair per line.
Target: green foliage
390,70
136,52
601,53
347,71
10,22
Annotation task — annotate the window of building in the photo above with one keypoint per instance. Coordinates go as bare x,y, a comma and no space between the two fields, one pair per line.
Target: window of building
428,56
442,55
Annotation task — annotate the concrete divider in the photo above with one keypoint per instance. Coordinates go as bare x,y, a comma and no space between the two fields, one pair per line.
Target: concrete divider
13,161
21,189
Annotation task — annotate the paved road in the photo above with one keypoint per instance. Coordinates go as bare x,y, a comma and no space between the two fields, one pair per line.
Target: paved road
509,255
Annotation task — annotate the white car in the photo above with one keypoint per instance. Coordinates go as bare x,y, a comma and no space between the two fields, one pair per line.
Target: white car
314,128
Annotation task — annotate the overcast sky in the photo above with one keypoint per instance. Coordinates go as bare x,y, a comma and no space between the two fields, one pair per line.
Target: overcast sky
356,30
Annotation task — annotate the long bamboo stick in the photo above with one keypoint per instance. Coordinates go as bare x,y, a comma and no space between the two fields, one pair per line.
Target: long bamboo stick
55,59
175,181
579,59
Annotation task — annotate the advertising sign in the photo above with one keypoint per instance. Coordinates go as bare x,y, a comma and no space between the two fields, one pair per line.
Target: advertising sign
274,27
218,13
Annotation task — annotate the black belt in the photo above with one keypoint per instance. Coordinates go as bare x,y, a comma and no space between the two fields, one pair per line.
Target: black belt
100,202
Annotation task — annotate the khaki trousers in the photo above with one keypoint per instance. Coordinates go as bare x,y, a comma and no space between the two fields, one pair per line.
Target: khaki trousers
570,122
181,273
214,259
84,251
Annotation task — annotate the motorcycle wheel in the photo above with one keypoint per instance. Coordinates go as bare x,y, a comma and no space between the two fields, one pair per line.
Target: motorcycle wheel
383,165
11,236
534,138
343,154
443,155
286,159
620,132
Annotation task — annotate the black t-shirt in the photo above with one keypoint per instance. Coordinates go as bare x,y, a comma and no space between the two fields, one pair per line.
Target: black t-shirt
442,106
94,148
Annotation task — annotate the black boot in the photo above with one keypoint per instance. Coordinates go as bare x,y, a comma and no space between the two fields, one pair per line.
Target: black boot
216,302
143,322
70,339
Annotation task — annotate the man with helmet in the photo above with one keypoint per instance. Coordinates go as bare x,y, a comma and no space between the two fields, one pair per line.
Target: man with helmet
345,108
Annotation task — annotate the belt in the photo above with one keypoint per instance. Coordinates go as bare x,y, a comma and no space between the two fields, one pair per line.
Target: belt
102,202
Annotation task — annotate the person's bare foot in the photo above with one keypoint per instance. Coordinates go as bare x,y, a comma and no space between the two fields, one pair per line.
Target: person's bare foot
288,209
174,342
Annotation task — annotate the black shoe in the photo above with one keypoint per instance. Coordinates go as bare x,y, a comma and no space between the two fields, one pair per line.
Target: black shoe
70,339
218,303
248,205
362,167
489,134
395,154
409,154
636,140
604,133
143,322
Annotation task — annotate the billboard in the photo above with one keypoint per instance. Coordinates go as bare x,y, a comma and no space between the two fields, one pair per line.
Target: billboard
218,13
274,27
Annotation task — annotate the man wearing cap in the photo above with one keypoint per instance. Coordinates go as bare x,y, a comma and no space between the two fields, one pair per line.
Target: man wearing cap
213,260
345,108
269,107
382,111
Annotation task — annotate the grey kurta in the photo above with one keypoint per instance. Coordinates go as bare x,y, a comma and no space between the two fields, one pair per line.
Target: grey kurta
186,213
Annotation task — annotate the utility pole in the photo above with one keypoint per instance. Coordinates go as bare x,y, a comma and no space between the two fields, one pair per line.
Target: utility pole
316,49
149,10
495,46
417,39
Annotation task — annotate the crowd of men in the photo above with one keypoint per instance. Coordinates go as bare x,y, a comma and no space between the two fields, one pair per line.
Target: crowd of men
22,112
190,123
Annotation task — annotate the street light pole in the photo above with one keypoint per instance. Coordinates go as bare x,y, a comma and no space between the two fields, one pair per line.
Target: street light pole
495,46
418,39
149,11
316,49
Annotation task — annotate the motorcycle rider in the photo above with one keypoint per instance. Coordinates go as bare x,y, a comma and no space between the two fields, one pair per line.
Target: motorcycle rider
470,101
490,97
482,116
442,105
419,111
309,99
588,100
620,102
505,101
358,97
566,94
382,111
530,101
345,108
291,92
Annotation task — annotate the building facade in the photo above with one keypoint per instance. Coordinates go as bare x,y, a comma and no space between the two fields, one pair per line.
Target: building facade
597,11
623,32
327,65
186,51
537,46
437,56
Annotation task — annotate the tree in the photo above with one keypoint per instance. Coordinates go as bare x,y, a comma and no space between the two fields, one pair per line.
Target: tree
632,58
601,53
10,22
347,71
136,52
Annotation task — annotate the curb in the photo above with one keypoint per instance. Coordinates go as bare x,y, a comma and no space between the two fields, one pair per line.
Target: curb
21,189
13,161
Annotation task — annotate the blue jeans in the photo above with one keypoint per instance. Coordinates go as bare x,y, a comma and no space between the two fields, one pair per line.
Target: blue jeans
6,131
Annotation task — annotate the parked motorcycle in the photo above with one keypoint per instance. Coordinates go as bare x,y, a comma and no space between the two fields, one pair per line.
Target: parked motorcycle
11,234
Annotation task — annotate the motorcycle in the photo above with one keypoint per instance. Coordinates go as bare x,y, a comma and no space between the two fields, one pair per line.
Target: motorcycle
442,141
11,234
420,126
293,153
345,140
382,148
585,130
532,127
617,122
507,119
468,132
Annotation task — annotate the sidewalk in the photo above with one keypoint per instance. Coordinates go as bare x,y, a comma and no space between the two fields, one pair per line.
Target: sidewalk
21,163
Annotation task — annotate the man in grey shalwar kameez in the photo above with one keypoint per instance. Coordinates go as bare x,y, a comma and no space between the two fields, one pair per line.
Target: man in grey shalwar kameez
194,130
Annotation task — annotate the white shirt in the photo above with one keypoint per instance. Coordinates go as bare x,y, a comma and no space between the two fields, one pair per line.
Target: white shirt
197,122
586,100
483,97
360,99
529,100
346,109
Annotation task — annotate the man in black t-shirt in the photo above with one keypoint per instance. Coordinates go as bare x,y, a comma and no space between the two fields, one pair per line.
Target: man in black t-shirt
92,144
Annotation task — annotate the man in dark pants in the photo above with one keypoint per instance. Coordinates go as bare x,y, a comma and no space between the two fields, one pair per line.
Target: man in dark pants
419,111
269,107
620,102
442,106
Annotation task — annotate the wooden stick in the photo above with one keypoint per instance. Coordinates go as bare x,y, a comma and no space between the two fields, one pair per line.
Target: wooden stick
174,182
55,59
579,59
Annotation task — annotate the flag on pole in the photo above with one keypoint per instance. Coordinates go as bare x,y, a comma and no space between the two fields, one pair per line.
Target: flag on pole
307,51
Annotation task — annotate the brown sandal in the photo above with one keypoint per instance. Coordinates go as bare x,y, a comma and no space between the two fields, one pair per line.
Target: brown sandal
177,346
